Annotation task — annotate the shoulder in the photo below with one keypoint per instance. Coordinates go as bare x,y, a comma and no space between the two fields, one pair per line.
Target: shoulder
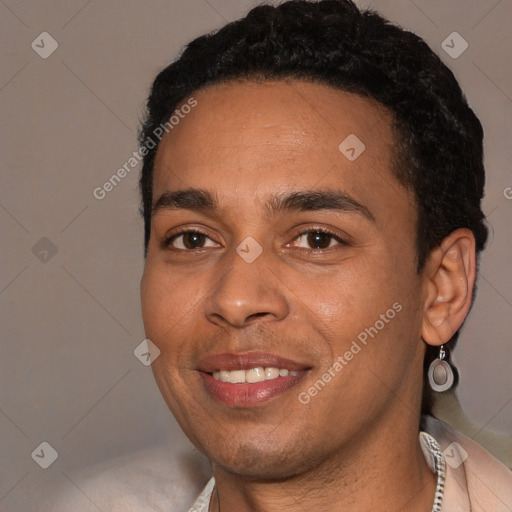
475,480
151,480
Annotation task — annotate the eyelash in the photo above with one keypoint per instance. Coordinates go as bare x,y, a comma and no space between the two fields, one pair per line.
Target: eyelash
166,243
324,231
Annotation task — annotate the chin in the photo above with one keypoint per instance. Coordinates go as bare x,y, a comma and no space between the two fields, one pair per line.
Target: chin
262,461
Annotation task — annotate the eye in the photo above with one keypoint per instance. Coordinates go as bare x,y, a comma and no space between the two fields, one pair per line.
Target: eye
190,240
317,239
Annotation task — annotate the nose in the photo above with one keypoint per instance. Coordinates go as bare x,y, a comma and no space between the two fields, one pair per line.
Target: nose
246,292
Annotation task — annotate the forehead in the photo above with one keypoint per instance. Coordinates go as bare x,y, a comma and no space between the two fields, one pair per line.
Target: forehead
267,137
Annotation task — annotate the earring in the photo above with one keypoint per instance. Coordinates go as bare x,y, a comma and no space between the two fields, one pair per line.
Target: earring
440,373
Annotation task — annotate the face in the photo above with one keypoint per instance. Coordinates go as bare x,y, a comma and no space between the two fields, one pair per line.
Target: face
279,259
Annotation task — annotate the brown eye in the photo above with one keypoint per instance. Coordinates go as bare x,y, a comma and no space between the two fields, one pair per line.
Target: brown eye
317,240
190,240
193,240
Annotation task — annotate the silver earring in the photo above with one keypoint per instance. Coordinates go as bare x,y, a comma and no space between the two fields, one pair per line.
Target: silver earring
440,373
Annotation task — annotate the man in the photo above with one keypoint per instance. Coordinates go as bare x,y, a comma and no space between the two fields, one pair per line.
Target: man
312,224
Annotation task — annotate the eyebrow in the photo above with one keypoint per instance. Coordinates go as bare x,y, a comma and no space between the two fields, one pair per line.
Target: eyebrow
305,200
315,200
188,199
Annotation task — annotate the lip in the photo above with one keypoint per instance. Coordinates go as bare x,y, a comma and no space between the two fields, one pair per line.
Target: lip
246,361
244,395
249,395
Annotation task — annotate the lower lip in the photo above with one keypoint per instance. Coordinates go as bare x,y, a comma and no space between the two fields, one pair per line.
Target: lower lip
249,394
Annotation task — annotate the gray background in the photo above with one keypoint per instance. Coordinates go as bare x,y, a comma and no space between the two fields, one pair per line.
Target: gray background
71,320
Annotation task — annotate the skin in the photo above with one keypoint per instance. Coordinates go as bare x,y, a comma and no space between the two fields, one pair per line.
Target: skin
355,445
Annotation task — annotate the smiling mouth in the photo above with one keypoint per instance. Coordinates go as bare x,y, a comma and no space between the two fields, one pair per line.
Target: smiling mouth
253,375
249,379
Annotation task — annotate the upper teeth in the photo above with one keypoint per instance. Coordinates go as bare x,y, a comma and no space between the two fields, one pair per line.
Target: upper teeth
258,374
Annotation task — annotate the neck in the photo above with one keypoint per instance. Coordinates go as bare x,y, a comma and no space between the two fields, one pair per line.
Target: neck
382,470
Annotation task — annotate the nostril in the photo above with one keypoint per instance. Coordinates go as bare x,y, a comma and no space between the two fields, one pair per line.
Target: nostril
257,315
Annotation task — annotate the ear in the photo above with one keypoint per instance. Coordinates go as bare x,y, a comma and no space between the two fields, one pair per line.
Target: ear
450,275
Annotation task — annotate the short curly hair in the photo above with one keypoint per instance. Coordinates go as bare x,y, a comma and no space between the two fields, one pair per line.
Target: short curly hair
439,140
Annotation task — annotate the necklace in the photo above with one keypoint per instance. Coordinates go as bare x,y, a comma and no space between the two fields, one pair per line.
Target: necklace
435,460
437,463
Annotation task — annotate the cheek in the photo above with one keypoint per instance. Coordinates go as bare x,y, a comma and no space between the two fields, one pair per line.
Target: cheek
168,310
166,304
365,316
346,300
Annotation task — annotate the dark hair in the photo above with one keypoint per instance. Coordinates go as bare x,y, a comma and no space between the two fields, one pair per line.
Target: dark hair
438,137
